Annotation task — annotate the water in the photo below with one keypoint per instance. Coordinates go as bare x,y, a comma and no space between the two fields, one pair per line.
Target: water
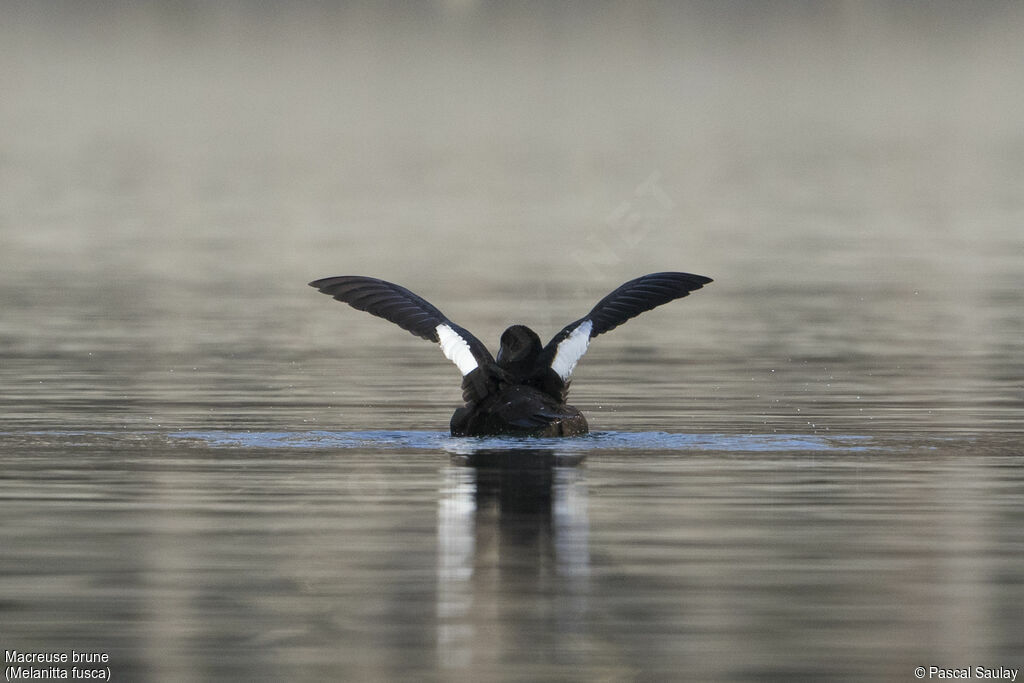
407,554
809,470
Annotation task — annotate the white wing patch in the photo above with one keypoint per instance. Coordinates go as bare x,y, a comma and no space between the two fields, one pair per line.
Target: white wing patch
456,349
571,349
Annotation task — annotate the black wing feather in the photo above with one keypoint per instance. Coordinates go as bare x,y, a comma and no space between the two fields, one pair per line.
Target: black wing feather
628,301
397,304
640,295
385,300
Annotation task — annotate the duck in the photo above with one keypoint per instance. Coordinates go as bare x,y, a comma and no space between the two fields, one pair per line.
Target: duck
522,391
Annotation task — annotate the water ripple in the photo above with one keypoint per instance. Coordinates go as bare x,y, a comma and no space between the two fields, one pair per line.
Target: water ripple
597,441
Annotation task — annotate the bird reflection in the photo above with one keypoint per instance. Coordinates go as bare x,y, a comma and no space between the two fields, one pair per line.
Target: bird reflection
512,551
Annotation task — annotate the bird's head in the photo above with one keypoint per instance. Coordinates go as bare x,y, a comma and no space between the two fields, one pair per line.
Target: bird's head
519,346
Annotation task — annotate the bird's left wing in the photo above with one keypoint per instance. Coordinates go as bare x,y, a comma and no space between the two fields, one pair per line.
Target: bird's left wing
410,312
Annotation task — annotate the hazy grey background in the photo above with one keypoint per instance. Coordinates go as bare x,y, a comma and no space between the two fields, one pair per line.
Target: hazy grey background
850,173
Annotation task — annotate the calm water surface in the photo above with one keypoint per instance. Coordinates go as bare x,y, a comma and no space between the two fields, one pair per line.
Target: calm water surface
810,470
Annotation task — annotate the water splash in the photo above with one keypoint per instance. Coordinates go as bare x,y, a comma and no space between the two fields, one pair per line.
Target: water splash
597,441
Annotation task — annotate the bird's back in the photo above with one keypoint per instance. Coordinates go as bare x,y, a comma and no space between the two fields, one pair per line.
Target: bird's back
518,410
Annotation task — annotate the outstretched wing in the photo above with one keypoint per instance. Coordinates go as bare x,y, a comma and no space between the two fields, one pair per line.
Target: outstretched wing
410,312
628,301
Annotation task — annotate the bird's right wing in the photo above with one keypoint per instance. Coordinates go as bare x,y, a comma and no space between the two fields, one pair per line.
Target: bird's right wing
627,301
